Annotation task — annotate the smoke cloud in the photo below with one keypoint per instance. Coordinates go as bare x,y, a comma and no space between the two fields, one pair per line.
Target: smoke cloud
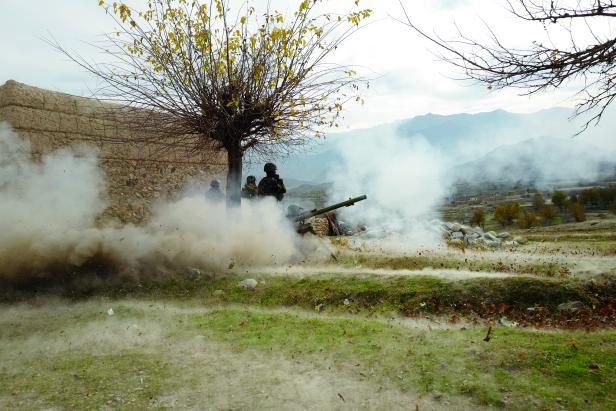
404,180
49,210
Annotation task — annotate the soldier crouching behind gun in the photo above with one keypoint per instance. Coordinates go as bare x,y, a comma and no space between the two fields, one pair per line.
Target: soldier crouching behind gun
271,184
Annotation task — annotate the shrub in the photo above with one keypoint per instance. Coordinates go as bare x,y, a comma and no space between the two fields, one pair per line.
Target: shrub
559,199
527,219
507,212
590,197
577,212
479,217
548,213
538,201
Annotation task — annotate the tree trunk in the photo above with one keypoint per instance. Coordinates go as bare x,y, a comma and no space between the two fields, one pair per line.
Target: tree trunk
234,176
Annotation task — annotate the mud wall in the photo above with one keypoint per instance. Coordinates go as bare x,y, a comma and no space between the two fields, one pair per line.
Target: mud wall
137,174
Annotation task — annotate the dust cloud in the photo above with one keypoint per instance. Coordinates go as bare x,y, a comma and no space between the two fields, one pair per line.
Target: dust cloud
49,210
405,181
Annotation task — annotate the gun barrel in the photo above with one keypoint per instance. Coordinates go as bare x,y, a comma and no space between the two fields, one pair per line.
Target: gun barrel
315,212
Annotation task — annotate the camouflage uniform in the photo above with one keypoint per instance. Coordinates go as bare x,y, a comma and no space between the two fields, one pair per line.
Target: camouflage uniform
271,184
250,189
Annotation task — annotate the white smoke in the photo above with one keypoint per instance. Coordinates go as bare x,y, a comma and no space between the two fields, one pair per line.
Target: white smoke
48,211
405,183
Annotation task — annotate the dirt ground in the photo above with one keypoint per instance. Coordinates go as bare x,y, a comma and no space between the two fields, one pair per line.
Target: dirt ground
436,329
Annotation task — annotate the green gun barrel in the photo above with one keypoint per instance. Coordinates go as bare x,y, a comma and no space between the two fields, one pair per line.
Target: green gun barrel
315,212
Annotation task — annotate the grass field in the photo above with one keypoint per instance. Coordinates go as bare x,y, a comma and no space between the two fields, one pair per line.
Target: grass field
444,329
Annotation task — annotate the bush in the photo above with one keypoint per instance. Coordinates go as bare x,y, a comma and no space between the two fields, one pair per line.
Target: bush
577,212
507,212
538,201
559,199
479,217
549,213
590,197
527,219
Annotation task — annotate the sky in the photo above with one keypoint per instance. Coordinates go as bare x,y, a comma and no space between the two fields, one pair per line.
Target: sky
408,79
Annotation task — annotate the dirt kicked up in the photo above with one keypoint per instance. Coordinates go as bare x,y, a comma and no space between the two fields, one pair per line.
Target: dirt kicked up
453,329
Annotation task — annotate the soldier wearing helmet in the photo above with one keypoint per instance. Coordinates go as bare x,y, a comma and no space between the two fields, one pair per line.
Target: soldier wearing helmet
214,192
250,189
271,184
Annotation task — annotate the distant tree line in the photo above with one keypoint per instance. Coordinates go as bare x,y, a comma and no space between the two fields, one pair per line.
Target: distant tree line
564,207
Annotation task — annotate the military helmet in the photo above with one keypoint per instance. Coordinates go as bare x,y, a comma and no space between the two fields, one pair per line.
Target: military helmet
215,183
251,179
270,168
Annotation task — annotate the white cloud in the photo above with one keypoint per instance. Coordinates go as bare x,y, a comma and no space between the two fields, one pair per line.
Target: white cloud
409,79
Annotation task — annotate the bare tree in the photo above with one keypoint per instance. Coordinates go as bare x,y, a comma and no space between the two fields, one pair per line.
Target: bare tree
202,74
541,67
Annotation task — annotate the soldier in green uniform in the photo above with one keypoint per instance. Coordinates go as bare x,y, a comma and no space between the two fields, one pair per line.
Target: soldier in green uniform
271,184
250,189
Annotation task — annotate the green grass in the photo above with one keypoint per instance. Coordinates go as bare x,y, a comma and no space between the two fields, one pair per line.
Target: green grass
517,369
515,366
126,380
365,293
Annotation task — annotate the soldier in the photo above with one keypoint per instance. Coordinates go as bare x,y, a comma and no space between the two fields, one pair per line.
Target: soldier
250,189
271,184
214,192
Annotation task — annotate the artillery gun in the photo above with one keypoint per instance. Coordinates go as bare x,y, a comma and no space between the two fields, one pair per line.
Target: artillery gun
299,216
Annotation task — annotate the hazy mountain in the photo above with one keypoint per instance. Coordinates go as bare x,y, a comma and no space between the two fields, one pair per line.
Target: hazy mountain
540,160
496,144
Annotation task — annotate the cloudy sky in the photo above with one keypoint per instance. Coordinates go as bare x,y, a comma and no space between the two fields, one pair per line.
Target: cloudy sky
409,79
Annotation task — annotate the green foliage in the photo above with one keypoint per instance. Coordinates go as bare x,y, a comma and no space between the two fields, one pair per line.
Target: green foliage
559,199
507,212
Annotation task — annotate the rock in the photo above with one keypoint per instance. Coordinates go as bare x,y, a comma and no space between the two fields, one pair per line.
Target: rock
478,230
466,230
510,244
248,284
490,243
346,302
520,240
503,234
456,227
571,306
218,293
437,395
457,235
490,235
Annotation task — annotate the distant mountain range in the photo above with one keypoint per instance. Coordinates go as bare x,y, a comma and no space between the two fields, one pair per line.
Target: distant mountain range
496,145
539,161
